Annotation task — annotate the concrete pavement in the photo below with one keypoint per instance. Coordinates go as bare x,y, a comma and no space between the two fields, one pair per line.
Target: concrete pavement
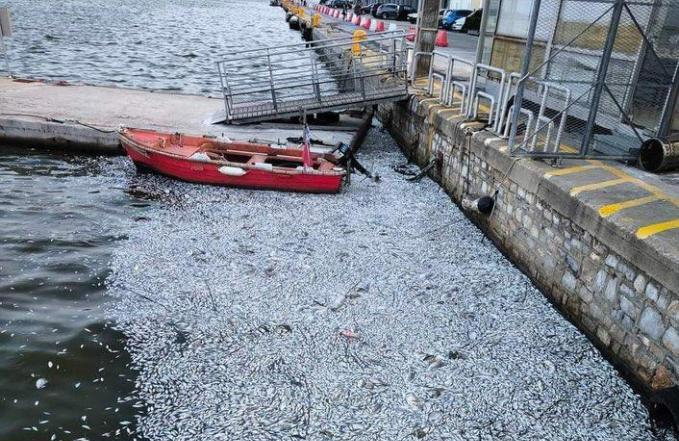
87,117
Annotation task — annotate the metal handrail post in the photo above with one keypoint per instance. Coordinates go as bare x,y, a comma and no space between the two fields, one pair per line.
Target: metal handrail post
5,52
520,85
601,76
224,91
314,71
670,102
271,82
472,89
430,86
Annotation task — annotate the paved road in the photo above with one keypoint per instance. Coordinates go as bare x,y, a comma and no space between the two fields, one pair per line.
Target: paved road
464,45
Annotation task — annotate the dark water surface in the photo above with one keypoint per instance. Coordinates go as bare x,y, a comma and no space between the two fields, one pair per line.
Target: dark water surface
151,44
63,370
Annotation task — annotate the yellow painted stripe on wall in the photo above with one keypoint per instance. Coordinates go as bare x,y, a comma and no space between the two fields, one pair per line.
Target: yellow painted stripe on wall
597,186
611,209
650,230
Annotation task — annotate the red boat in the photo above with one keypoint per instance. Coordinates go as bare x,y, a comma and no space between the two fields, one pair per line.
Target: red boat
237,164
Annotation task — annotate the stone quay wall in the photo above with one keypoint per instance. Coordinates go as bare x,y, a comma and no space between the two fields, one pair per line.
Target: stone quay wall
616,289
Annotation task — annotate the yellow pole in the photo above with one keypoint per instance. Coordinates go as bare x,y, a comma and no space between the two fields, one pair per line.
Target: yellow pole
359,35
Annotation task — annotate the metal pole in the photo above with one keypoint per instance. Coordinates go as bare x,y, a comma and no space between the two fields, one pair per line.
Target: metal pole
527,53
601,76
668,108
482,31
314,75
5,52
224,91
273,91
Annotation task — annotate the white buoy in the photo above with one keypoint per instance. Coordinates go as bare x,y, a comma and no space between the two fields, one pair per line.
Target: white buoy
263,166
231,171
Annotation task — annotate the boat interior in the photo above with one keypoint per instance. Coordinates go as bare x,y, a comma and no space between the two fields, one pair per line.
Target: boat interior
245,153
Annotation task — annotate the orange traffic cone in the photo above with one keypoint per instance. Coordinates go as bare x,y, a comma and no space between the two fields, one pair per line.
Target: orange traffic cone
441,38
355,20
366,24
379,27
410,35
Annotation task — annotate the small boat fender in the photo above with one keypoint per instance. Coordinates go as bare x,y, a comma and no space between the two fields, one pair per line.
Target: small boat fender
231,171
264,166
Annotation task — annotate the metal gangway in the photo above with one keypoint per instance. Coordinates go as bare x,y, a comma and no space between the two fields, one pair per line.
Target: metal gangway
319,76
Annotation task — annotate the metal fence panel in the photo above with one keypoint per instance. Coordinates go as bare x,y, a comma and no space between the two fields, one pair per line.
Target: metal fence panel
601,84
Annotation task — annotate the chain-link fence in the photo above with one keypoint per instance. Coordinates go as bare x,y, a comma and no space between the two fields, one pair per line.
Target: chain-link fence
597,78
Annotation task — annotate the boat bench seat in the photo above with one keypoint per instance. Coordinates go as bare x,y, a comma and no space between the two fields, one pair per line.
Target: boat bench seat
258,158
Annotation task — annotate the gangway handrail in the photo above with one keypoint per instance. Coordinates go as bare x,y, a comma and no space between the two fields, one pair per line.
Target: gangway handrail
337,73
312,46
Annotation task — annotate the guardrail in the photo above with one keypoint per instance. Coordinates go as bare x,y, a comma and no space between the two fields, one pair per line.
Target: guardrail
323,75
543,121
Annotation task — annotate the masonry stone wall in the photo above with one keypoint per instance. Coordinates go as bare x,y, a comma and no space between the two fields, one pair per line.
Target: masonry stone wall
628,313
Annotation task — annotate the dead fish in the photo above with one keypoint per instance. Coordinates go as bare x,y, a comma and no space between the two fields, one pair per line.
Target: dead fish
433,361
421,432
349,333
414,402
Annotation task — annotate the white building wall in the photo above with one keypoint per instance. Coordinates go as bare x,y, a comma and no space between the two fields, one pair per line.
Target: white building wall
463,4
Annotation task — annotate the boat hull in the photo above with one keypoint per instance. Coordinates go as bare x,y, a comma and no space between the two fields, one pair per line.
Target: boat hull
202,172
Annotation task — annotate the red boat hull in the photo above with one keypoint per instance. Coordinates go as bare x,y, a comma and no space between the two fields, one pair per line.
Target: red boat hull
206,172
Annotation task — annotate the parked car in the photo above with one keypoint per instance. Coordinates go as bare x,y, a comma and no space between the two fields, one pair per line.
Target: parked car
469,24
413,17
452,15
374,7
338,4
457,24
392,11
404,11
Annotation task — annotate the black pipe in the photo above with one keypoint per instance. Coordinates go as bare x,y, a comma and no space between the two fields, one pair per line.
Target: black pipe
657,156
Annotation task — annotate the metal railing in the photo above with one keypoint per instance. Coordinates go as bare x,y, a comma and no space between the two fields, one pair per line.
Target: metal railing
601,86
597,79
323,75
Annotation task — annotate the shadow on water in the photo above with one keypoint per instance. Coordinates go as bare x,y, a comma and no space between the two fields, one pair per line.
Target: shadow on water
64,371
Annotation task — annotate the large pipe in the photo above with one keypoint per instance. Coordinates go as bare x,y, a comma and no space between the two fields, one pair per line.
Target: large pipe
657,156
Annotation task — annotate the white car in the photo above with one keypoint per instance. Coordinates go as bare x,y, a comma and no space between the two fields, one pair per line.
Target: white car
458,24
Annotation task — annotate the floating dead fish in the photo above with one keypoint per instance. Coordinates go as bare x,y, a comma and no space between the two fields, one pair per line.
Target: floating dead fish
349,333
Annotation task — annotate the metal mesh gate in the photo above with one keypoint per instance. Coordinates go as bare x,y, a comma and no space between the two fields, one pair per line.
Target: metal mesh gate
597,78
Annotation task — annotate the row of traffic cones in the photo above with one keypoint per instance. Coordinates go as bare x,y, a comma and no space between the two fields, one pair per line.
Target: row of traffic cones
364,22
440,41
378,26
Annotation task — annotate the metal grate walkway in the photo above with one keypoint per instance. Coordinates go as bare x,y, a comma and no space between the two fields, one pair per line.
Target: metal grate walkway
335,74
